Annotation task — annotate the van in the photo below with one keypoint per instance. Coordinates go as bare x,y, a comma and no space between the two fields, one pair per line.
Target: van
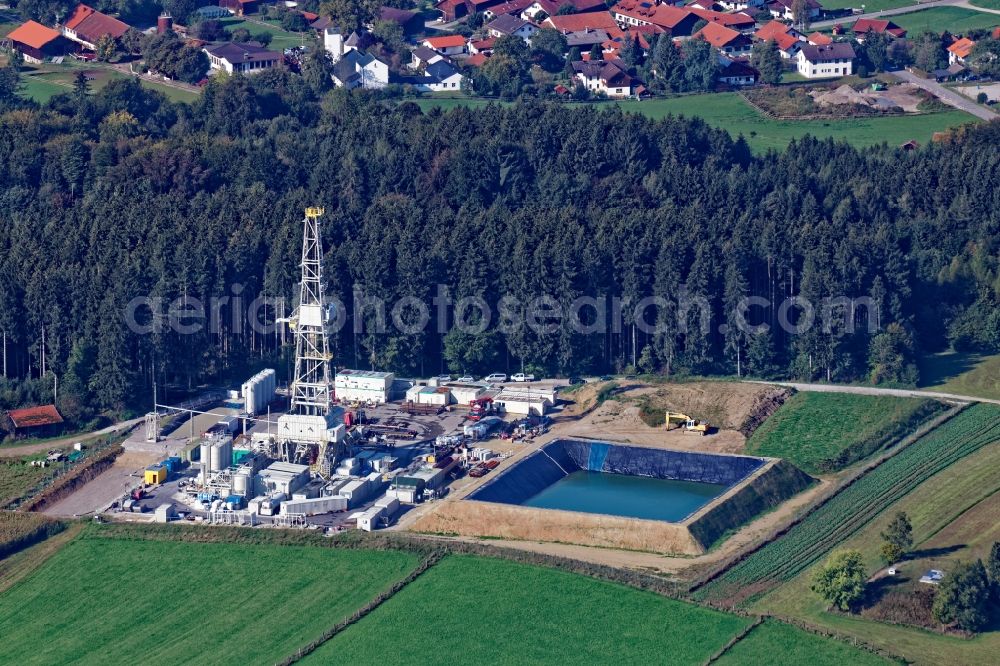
495,378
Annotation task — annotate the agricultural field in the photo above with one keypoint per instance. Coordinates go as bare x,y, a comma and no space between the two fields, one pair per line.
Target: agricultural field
44,82
730,112
956,20
20,530
961,373
795,646
855,506
106,600
954,518
486,611
986,4
824,432
870,5
18,476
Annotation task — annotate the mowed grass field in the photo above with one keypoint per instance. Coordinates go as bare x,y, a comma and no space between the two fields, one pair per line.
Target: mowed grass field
766,642
107,601
472,610
280,38
730,112
987,4
45,82
963,374
870,5
954,516
956,20
811,428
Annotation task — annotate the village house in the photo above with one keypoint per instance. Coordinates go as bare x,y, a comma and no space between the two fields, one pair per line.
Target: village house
440,77
960,50
248,58
446,45
552,7
567,23
239,7
819,39
86,26
452,10
358,69
604,76
585,39
484,46
674,21
511,25
726,40
423,56
863,27
37,42
785,9
816,62
738,73
787,39
737,21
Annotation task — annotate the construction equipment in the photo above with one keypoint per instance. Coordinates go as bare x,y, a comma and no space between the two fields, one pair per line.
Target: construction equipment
691,426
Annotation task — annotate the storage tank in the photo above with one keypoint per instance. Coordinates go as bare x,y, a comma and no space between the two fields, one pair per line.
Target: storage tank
164,23
241,484
250,397
221,455
206,454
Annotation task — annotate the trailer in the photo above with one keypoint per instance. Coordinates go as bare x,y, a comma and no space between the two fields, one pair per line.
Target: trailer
416,408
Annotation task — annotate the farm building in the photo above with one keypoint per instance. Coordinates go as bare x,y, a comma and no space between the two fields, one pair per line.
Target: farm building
37,42
363,385
35,421
87,26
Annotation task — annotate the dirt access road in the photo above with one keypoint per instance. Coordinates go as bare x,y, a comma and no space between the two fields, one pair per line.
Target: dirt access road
946,95
873,390
28,449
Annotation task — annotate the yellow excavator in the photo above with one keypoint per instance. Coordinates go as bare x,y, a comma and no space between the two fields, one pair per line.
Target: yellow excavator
691,426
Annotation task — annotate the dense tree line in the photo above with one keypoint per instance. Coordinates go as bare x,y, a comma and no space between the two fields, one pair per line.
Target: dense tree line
122,194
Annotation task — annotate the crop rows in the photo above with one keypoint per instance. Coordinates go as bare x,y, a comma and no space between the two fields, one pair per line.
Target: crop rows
852,508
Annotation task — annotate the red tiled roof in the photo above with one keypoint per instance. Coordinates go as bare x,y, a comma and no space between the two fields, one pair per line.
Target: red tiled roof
877,25
33,417
90,24
477,60
577,22
81,12
484,44
717,35
819,39
738,20
786,41
33,34
772,30
448,41
665,16
962,48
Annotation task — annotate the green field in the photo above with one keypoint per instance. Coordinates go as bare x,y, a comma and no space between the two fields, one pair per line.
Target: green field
17,476
986,4
954,518
870,5
103,600
963,374
822,432
956,20
729,111
854,507
44,82
777,643
484,611
280,39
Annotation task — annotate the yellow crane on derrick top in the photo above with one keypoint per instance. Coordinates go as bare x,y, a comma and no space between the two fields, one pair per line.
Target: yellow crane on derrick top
691,426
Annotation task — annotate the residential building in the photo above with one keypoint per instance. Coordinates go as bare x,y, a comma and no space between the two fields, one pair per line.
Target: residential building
772,29
239,7
552,7
248,58
675,21
585,39
358,69
960,50
452,10
784,9
440,77
738,21
816,62
604,76
408,20
567,23
512,25
862,27
423,56
86,26
738,73
819,39
37,42
512,7
726,40
446,45
476,60
482,45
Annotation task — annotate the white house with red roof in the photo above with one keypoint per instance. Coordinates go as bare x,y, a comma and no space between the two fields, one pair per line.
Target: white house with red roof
86,26
447,44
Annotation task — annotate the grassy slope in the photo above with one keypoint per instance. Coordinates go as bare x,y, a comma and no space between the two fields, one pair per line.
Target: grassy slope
812,427
730,112
964,374
956,20
955,508
41,83
485,611
777,643
105,601
280,38
16,476
870,5
988,4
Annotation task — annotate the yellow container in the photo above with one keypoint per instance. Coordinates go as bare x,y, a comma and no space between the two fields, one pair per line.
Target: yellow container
155,475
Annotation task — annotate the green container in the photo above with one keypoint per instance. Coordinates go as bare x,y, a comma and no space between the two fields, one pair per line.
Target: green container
238,455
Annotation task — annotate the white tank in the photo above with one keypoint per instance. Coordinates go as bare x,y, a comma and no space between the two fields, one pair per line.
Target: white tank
206,454
241,484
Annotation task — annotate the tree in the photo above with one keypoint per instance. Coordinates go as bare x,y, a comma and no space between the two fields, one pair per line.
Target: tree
668,64
171,57
81,85
549,48
899,532
596,53
351,15
211,31
701,65
927,52
240,36
841,581
800,13
962,599
106,48
993,563
874,51
890,357
760,355
985,57
48,12
132,41
390,34
317,69
294,22
765,59
181,10
890,552
263,38
565,9
631,51
138,12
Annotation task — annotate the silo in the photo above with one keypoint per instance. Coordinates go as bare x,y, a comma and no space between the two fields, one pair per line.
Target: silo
222,453
241,483
250,396
164,24
206,453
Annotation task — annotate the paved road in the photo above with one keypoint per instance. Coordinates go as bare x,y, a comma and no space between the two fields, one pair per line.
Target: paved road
845,20
873,390
946,95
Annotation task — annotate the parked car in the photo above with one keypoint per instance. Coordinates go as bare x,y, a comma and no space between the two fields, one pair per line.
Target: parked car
495,378
443,378
575,380
465,379
521,377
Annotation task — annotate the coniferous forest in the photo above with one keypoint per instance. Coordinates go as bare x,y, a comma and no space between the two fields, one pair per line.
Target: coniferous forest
121,194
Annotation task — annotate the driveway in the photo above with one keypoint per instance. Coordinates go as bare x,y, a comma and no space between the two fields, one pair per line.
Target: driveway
946,95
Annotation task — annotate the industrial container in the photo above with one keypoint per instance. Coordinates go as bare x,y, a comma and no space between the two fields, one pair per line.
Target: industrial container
220,455
229,424
155,475
234,502
206,454
241,483
175,463
238,455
